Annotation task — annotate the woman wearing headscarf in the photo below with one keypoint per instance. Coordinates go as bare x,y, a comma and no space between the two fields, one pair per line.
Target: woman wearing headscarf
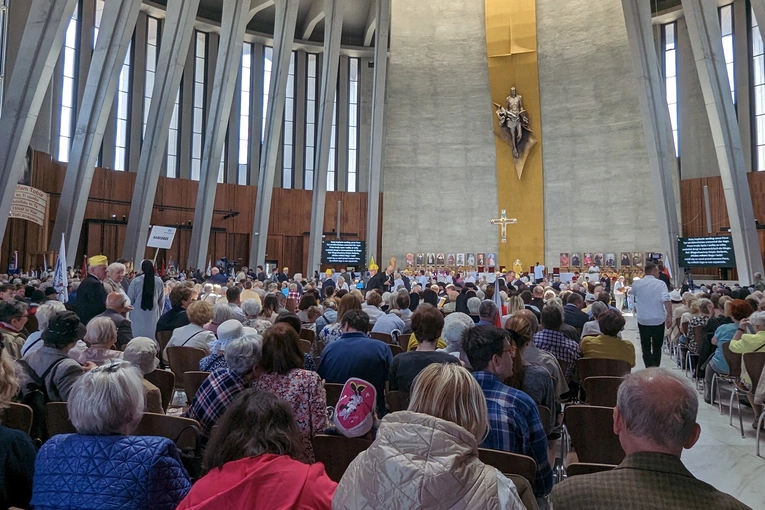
147,293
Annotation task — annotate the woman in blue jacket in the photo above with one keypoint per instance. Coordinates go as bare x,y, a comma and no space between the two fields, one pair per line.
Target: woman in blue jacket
102,466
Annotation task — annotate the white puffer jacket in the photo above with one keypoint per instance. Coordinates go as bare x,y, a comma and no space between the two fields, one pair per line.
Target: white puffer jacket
422,462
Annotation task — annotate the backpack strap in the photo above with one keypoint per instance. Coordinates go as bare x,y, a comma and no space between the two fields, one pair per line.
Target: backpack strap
24,351
192,336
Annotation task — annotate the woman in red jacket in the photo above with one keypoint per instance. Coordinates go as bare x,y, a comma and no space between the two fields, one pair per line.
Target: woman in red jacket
251,461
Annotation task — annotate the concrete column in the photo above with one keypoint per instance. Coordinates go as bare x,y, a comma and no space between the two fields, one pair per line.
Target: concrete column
741,50
378,126
284,35
656,124
705,35
138,81
256,119
187,110
232,144
341,131
365,121
117,24
233,23
38,52
301,78
333,11
176,39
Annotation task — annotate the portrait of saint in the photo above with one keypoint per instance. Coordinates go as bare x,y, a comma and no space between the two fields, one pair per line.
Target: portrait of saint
420,259
587,259
610,259
481,259
460,259
564,260
598,259
637,259
440,259
626,259
450,259
409,259
491,259
471,259
431,259
576,260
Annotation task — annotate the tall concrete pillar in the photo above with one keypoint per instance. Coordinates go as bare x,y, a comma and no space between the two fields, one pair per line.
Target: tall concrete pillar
333,31
236,15
284,35
116,29
176,40
706,42
656,125
38,52
378,126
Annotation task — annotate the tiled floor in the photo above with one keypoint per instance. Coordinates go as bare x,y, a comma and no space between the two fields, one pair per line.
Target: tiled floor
721,457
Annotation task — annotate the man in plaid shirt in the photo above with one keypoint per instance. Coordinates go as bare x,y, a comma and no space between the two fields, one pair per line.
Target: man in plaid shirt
550,339
514,421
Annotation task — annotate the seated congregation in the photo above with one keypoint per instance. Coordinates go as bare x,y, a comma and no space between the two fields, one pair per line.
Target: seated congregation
237,394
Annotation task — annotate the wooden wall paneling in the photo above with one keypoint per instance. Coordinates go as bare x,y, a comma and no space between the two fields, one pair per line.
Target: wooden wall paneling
274,248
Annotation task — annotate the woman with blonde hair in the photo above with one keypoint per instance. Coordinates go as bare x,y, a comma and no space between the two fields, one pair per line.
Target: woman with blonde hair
427,456
699,312
514,304
100,337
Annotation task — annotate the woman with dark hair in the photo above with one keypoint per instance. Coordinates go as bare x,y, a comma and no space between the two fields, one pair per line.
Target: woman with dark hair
270,308
251,461
430,297
414,301
147,293
284,376
307,301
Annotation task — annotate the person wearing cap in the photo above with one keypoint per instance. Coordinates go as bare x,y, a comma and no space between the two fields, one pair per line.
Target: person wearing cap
194,334
117,307
51,362
228,331
376,279
283,277
50,294
91,295
327,282
141,352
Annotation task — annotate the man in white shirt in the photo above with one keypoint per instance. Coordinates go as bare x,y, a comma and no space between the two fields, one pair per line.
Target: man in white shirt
654,313
619,293
539,272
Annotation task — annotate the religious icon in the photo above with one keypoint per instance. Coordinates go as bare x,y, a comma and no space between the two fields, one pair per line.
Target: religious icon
450,259
564,260
610,259
481,259
431,259
491,259
587,259
440,259
515,128
409,259
598,259
420,259
576,260
626,258
518,267
471,259
637,259
460,259
503,221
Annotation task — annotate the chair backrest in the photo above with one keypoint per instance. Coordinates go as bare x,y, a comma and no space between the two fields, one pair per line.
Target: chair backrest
163,338
733,359
511,463
587,468
698,334
385,337
184,359
184,432
333,393
17,416
165,381
307,334
601,390
395,349
305,345
58,419
754,363
589,367
591,432
193,380
32,325
563,366
545,416
397,400
403,340
291,305
337,452
525,491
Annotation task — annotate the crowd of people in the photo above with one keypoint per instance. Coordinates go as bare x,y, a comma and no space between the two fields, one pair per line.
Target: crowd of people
481,356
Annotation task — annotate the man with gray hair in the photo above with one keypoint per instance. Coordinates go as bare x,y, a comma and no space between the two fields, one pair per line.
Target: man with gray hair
455,325
758,283
488,313
655,419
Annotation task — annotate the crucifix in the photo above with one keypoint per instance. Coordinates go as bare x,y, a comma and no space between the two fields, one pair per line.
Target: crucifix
504,221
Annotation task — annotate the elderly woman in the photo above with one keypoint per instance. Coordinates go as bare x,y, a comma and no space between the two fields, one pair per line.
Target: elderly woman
252,309
473,304
196,334
372,306
141,352
147,293
455,324
221,312
17,452
434,447
227,332
591,328
44,312
252,461
283,375
607,344
737,310
143,471
100,337
13,317
223,385
330,333
270,309
699,312
115,273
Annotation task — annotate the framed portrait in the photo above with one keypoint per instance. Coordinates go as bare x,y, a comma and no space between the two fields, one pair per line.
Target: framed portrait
491,259
480,259
576,260
610,259
626,259
440,259
451,259
637,259
471,259
409,259
430,259
460,259
564,260
597,259
420,259
654,257
587,260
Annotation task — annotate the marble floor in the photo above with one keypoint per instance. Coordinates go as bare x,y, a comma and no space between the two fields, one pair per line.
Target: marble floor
721,457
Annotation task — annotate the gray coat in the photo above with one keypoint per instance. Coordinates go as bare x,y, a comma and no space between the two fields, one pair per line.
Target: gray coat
144,322
59,381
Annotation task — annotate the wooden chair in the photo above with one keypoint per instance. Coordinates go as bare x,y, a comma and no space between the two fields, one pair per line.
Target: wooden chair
385,337
525,491
333,393
395,349
194,379
587,468
511,463
591,431
305,345
590,367
403,340
163,338
601,390
397,400
58,419
698,336
337,452
165,381
307,334
755,363
184,359
17,416
291,305
545,416
184,432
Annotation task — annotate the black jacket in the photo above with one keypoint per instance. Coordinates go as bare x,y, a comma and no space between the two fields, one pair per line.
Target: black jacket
175,318
575,317
91,298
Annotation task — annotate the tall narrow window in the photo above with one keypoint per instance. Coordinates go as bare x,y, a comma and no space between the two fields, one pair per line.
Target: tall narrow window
331,174
173,138
123,114
268,57
726,25
152,53
68,92
289,128
222,167
310,122
758,82
353,124
197,137
97,22
3,45
245,107
670,77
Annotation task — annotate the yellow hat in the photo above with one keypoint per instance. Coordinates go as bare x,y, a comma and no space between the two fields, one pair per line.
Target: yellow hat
372,265
98,260
328,272
286,269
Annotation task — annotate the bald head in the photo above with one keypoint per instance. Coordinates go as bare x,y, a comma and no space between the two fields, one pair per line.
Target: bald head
529,315
116,301
538,291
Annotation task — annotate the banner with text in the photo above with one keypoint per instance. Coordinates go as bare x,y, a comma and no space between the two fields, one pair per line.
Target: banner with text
29,204
343,252
713,251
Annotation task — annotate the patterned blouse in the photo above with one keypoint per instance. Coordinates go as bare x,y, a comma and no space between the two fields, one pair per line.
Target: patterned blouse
304,392
325,337
259,325
694,343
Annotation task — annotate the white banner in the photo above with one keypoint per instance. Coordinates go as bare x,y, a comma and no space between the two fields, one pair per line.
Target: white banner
161,237
29,204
